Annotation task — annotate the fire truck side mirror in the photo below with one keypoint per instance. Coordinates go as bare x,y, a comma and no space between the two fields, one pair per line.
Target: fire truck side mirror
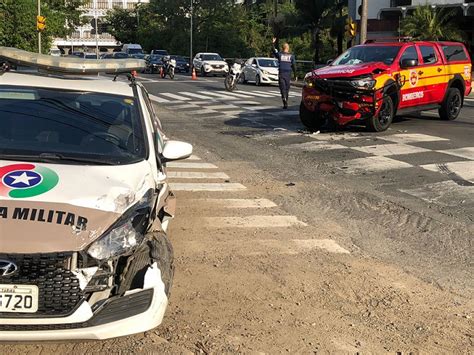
408,63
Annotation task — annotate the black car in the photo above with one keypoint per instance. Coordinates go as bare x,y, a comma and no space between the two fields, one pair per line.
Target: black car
153,63
115,55
182,65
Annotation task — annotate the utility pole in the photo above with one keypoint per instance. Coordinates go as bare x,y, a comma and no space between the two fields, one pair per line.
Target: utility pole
39,32
96,30
191,37
363,21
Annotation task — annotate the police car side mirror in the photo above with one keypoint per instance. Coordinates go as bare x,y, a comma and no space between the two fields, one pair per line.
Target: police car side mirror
408,63
176,150
254,65
329,61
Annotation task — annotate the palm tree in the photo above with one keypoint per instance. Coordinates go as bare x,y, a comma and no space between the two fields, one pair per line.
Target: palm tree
430,24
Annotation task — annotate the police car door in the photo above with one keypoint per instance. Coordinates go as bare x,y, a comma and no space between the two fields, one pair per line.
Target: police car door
411,92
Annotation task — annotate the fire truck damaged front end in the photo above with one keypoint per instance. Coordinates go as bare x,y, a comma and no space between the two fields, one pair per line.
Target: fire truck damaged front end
344,95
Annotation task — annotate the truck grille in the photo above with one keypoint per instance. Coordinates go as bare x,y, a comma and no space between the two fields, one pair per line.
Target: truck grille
59,291
217,66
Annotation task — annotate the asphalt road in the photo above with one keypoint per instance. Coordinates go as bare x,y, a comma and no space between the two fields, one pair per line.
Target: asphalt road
404,197
291,242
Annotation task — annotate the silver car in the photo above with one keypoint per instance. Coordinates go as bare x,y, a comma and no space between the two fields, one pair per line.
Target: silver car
261,71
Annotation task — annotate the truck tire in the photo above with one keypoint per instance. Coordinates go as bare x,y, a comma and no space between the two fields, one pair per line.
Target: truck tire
383,120
311,120
451,106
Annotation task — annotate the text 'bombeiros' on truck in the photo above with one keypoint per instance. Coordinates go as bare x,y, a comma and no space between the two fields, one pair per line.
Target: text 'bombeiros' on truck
373,82
85,202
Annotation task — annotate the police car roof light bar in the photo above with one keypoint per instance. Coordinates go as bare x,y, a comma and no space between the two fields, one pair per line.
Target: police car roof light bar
69,65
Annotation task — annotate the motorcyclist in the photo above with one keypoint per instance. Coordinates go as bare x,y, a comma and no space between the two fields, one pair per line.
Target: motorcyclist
286,64
165,60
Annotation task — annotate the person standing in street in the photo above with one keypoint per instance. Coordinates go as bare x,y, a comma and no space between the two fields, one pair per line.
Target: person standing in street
286,65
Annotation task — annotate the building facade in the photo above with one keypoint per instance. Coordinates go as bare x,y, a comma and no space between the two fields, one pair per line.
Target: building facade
84,38
385,15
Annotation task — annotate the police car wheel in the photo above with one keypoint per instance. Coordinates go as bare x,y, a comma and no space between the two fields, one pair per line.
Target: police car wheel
451,106
383,120
311,120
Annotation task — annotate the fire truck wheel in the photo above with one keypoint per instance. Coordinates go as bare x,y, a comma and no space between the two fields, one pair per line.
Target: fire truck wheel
451,106
311,120
383,120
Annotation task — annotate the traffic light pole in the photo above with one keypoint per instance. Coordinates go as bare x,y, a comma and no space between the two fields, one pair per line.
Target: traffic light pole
363,21
39,32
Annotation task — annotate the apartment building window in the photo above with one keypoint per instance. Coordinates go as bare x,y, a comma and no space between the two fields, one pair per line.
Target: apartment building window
102,4
117,4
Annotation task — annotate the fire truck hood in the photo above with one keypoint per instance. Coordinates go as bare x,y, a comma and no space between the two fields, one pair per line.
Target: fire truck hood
51,208
354,70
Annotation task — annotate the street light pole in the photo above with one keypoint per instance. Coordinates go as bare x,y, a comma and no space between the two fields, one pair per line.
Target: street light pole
363,21
191,37
96,30
39,32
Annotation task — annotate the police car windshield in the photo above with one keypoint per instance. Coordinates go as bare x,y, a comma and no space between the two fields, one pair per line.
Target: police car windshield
368,54
72,125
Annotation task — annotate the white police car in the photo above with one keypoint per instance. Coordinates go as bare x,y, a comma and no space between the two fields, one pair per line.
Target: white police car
84,201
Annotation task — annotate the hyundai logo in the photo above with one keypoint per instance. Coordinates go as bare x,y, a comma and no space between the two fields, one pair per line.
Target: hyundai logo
7,268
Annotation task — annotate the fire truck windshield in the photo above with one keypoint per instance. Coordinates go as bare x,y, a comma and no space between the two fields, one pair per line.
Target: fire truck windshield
368,54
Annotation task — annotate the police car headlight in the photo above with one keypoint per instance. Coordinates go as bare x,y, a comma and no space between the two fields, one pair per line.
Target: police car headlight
365,83
264,72
125,234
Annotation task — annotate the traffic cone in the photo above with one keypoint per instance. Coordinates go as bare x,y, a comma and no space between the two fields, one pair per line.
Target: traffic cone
194,76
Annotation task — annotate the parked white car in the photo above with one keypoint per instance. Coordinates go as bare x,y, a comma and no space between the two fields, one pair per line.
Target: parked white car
210,64
260,71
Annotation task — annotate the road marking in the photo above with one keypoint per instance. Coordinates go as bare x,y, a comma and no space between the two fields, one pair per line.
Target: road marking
325,244
222,107
257,94
253,222
157,99
236,203
203,111
176,97
412,138
238,95
276,134
232,113
272,93
197,96
182,186
245,103
193,157
183,106
371,164
220,96
260,108
446,193
463,169
391,149
186,165
315,146
196,175
466,152
335,137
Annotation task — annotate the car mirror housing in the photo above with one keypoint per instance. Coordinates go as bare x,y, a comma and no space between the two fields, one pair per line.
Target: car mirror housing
176,150
408,63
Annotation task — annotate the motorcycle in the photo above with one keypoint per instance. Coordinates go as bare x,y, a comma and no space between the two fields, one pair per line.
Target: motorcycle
168,69
233,77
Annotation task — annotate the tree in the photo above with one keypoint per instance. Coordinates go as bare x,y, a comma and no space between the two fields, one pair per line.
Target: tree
123,25
18,22
431,25
316,15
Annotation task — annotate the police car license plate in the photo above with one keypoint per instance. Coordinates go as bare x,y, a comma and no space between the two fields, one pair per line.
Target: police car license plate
19,298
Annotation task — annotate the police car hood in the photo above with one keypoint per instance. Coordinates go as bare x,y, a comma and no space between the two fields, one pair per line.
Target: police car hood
65,207
353,70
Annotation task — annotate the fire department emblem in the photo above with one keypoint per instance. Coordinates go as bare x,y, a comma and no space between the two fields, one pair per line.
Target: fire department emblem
413,78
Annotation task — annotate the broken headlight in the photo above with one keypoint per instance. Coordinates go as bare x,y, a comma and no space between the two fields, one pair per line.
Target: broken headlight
125,234
364,83
308,80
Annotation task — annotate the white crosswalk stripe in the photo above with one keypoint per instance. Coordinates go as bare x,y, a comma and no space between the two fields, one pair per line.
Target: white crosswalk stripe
175,96
234,207
158,99
197,96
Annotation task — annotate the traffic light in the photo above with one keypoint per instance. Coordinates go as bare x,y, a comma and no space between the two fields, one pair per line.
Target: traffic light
351,28
40,23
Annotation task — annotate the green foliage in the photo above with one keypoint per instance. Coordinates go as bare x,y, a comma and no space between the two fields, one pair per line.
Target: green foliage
431,25
234,30
18,22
